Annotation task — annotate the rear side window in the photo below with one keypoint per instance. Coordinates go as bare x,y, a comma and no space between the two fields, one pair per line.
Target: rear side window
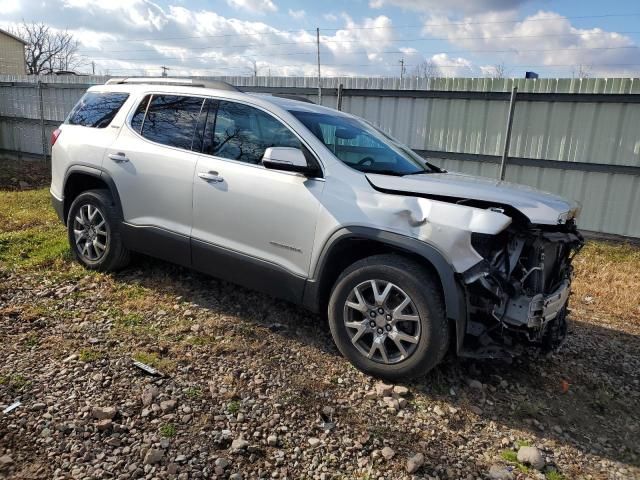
170,120
97,109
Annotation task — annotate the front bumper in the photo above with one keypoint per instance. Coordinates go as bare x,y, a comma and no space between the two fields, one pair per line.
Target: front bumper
537,311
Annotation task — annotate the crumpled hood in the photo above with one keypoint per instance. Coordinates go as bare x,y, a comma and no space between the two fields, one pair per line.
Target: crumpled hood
539,207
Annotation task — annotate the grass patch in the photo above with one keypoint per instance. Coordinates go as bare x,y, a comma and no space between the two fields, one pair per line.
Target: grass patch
152,359
193,392
15,382
27,209
32,340
233,406
522,443
509,456
30,233
89,355
608,279
554,474
168,430
33,247
130,320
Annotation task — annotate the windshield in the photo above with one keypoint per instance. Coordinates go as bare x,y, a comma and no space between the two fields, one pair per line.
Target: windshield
361,146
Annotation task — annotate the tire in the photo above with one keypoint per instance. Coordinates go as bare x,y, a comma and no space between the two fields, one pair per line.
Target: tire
426,323
107,253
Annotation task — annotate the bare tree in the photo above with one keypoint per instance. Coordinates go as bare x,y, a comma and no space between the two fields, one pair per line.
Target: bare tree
254,68
47,50
498,71
426,69
581,71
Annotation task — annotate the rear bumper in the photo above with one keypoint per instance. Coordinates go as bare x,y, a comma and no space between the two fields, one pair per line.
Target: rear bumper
58,206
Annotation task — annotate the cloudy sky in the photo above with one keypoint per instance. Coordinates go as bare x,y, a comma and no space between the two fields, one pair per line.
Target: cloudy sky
358,37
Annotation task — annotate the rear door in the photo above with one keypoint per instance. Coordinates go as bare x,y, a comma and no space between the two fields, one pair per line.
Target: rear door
152,165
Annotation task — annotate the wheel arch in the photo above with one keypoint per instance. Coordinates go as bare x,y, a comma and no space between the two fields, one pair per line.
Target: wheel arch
351,244
80,178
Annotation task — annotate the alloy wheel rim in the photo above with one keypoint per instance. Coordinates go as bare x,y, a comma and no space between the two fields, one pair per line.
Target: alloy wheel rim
90,232
382,321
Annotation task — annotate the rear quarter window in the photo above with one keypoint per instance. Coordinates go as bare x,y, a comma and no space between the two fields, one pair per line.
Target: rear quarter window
97,109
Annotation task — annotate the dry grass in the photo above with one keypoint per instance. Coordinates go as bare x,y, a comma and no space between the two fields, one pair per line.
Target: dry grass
607,280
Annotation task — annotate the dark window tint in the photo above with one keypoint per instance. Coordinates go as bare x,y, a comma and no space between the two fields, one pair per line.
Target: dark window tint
171,120
96,109
138,116
243,133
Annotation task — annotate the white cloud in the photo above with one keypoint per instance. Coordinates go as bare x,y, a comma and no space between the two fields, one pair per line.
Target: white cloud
136,37
297,14
330,17
9,6
453,6
254,6
545,38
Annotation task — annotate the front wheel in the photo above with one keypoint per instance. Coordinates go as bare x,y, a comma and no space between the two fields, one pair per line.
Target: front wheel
94,237
387,317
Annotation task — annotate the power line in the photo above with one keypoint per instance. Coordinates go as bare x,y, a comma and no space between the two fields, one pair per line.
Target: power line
392,27
526,20
285,54
421,39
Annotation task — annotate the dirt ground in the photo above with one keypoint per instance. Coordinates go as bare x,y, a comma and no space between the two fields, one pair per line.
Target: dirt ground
253,387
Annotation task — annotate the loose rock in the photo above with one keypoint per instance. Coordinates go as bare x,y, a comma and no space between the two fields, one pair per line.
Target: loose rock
103,413
153,456
414,463
498,472
388,453
531,456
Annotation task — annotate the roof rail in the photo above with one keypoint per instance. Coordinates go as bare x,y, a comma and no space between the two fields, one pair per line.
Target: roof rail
182,82
299,98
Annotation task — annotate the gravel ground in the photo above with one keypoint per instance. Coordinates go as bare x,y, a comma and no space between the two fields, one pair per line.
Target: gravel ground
252,387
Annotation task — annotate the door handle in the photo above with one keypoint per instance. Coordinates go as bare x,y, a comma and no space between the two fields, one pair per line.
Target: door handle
210,177
118,157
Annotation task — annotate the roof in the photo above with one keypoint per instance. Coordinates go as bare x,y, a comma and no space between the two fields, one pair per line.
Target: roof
173,85
24,42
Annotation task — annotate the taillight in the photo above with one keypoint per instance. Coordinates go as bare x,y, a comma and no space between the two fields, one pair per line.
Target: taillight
54,136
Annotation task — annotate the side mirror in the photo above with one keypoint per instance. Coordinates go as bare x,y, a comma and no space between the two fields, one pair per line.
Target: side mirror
285,158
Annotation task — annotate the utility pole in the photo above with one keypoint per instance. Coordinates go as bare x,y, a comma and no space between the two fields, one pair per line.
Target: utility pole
507,134
93,68
401,69
164,70
319,77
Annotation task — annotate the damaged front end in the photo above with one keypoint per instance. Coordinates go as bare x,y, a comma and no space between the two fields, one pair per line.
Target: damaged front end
518,295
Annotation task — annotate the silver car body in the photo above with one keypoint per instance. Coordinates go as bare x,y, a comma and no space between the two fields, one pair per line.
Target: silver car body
284,218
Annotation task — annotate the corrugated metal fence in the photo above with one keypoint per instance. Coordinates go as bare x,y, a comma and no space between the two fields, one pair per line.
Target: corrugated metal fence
579,138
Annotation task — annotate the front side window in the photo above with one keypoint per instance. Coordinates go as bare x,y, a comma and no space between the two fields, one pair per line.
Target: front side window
361,146
97,109
240,132
170,119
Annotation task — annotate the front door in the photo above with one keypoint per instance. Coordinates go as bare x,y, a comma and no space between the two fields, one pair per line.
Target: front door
252,225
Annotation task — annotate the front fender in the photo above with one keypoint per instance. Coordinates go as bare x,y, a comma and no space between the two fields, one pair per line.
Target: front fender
454,296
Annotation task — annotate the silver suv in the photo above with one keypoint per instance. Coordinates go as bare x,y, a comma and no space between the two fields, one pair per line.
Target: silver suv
320,208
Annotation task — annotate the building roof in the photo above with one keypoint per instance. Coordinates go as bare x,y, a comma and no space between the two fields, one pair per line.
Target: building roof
12,36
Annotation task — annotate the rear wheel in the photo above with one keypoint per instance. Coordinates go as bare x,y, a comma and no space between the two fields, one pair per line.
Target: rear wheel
387,317
92,227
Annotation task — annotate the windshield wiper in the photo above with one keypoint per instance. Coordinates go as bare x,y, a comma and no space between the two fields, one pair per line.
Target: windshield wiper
384,172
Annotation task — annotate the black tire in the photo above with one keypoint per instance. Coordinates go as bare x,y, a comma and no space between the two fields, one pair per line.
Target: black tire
415,282
114,256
